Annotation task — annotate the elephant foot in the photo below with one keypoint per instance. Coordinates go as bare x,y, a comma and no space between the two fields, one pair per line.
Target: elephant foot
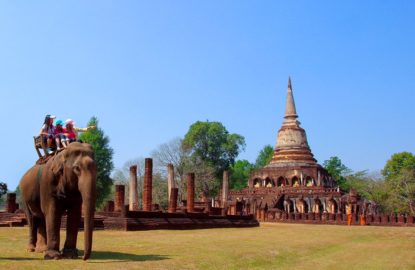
31,248
70,253
40,249
52,255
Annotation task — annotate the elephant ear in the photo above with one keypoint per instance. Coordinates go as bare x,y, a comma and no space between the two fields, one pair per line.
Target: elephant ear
57,164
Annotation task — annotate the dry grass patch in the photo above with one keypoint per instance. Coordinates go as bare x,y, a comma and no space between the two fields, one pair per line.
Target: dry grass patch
271,246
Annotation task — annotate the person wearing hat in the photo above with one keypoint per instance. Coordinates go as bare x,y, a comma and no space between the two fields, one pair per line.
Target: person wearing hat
47,132
60,137
72,131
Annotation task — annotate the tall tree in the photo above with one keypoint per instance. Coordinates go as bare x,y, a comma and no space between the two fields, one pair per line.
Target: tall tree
212,143
337,170
402,191
103,158
264,157
239,174
398,162
399,173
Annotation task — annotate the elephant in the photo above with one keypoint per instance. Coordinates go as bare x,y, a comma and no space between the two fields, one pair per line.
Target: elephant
287,205
301,205
66,182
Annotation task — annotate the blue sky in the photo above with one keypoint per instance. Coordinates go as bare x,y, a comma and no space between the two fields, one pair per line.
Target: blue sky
149,69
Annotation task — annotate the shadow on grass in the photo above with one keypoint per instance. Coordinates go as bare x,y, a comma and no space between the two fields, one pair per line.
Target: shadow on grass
106,256
118,256
20,259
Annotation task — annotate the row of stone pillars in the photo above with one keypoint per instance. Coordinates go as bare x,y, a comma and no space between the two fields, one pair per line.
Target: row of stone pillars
172,190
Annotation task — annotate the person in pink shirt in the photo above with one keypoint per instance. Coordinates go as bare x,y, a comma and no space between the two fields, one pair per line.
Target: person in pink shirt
72,131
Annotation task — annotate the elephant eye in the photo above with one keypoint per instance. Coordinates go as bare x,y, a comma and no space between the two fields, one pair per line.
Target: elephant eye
76,169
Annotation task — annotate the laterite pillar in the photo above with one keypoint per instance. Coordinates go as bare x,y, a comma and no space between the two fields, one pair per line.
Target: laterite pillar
148,185
190,203
119,197
225,191
173,200
170,180
133,195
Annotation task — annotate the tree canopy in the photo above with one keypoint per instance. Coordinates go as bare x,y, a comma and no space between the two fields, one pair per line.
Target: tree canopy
103,158
212,143
337,170
239,174
264,156
399,173
397,163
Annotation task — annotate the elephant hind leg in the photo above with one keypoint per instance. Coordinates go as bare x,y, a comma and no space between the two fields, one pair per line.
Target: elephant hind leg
31,221
41,237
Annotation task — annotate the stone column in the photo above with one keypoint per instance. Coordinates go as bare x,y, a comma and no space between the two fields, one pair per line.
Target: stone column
119,197
11,202
148,185
133,198
173,200
170,180
225,188
190,203
225,191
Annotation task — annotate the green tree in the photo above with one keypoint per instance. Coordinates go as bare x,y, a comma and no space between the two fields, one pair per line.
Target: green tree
402,192
399,173
397,163
212,143
103,158
338,171
239,174
368,188
264,156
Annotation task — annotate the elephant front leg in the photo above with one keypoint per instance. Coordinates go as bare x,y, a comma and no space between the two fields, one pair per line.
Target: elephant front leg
53,223
72,227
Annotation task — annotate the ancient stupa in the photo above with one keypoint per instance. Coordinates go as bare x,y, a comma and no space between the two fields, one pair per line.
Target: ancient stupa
292,146
293,163
293,181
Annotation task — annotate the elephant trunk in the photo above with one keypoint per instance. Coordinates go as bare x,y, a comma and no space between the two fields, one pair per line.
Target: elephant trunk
88,192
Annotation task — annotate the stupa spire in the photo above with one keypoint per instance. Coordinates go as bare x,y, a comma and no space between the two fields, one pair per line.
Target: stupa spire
290,111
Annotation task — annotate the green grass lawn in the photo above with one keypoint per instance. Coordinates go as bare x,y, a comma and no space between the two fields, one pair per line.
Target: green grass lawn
270,246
